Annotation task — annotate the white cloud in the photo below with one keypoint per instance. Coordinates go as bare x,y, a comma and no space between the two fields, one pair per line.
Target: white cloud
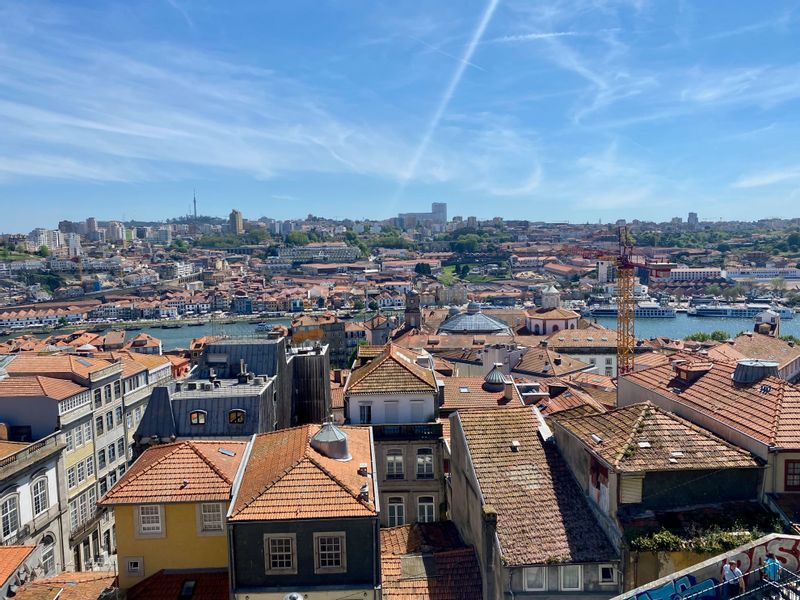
766,178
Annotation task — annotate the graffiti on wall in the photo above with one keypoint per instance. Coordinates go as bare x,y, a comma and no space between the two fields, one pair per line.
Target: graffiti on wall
700,584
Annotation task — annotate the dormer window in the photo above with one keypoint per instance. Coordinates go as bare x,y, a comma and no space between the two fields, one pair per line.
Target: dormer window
197,417
236,416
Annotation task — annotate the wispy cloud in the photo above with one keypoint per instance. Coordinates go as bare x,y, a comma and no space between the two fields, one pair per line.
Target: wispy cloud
447,54
533,36
765,178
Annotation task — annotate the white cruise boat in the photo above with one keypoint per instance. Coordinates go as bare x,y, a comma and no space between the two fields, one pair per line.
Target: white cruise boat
738,311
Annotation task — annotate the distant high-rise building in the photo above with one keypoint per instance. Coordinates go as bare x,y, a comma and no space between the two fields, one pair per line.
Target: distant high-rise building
437,216
692,220
115,232
236,222
91,225
73,244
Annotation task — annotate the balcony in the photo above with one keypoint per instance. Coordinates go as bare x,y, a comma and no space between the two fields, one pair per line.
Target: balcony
30,454
407,431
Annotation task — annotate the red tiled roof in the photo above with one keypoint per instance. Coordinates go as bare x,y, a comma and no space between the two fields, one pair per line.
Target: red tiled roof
468,392
37,364
285,478
772,414
642,437
38,385
187,471
68,586
11,557
548,363
167,584
530,485
766,347
394,371
428,561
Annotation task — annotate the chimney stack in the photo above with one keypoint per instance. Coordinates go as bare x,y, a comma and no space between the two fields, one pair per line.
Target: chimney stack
508,390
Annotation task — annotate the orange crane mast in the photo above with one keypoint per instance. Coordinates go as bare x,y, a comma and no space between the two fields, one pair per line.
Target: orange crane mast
626,305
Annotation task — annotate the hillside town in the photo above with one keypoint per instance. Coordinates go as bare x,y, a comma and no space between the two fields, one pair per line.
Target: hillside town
421,407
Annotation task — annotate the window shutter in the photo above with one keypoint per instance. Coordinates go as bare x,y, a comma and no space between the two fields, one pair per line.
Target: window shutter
630,489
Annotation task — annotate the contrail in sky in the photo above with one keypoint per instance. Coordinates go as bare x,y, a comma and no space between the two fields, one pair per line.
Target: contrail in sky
448,95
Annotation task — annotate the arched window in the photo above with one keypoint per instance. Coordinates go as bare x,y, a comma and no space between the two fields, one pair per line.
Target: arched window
536,329
9,516
555,328
48,544
236,416
40,500
197,417
572,325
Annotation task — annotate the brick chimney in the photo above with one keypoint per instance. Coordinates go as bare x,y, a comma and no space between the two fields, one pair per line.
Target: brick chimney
508,390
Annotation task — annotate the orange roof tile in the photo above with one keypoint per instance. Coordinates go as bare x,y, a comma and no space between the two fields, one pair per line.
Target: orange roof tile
11,557
530,485
68,586
468,392
285,478
37,385
36,364
394,371
188,471
167,584
9,448
548,363
766,347
642,437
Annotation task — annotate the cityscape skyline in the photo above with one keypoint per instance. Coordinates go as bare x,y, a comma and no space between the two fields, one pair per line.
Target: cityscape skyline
600,109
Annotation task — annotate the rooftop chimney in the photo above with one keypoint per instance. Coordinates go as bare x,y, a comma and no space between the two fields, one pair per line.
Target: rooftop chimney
508,390
331,441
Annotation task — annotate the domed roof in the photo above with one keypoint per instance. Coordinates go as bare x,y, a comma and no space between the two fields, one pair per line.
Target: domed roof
453,311
494,380
473,308
473,321
331,442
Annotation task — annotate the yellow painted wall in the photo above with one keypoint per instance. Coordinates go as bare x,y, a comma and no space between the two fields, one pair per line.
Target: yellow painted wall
644,567
181,548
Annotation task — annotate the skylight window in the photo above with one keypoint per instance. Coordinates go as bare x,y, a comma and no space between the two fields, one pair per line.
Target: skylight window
644,445
463,390
84,362
226,452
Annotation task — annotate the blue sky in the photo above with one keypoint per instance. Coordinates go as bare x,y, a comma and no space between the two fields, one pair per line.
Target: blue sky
578,110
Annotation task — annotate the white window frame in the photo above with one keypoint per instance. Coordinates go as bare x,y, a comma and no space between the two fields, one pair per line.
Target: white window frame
397,458
268,537
528,588
139,570
201,520
423,474
151,533
432,504
391,521
342,537
15,499
600,579
46,502
561,571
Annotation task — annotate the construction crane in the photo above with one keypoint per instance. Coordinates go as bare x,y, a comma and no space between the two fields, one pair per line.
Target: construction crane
626,305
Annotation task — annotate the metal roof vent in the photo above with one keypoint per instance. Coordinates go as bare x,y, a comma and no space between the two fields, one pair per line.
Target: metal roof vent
331,441
749,370
494,381
473,308
515,445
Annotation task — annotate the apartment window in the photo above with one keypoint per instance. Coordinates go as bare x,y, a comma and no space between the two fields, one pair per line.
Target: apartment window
391,411
81,471
236,417
107,393
118,389
607,574
101,459
98,425
118,415
121,447
39,493
394,464
109,421
134,566
68,438
98,398
150,520
49,555
71,481
129,421
90,466
197,417
279,551
138,413
418,411
78,436
571,578
112,453
425,463
535,579
397,511
121,470
792,476
103,487
211,518
9,516
608,360
329,553
87,431
425,509
365,413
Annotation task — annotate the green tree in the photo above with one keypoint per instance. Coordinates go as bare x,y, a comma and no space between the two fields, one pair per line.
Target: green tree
778,284
464,271
422,269
373,305
791,338
470,243
793,241
701,336
44,251
296,238
358,304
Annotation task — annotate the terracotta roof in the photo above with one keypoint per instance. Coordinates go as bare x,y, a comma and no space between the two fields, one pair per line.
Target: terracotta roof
574,339
68,586
188,471
600,387
773,405
548,363
8,448
553,313
766,347
285,478
210,584
531,485
11,557
428,561
642,437
367,351
564,397
38,385
468,392
650,359
37,364
394,371
723,352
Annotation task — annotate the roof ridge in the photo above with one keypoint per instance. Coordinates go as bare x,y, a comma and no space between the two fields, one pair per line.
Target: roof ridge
337,480
207,460
149,467
629,440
